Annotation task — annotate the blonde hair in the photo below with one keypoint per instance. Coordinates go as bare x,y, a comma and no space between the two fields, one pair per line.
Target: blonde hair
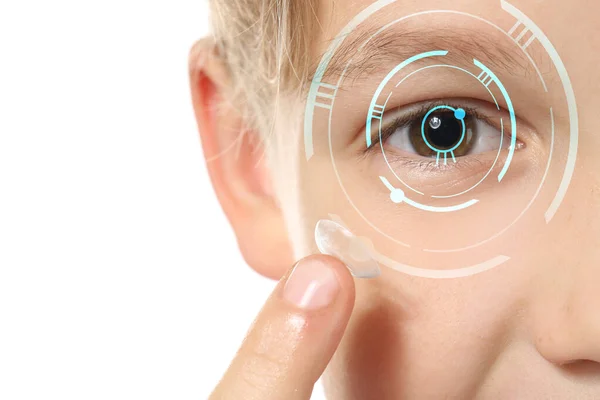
265,44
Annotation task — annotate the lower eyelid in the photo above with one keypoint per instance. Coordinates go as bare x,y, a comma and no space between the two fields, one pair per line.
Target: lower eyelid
428,164
446,179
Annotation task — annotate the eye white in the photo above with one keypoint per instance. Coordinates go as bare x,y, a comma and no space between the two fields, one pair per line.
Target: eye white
487,139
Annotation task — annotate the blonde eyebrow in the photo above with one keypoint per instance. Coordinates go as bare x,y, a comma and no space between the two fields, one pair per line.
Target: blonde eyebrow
388,48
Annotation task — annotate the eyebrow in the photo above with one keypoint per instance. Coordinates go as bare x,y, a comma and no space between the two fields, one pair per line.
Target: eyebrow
394,45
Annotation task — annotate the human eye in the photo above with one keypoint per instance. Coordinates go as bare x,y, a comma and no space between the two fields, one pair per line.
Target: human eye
444,132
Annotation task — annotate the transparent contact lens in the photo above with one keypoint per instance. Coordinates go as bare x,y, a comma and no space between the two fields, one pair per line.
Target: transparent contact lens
335,240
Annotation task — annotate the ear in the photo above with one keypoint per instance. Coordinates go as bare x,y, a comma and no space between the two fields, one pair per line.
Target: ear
236,166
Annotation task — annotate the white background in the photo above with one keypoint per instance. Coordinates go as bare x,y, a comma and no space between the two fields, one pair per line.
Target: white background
119,275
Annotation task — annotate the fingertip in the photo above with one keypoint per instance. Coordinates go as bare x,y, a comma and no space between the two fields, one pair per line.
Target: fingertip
328,266
340,269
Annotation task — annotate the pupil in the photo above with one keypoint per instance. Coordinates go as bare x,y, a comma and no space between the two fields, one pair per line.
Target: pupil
443,130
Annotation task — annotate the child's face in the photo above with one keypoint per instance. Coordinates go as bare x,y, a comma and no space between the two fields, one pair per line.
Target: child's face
529,328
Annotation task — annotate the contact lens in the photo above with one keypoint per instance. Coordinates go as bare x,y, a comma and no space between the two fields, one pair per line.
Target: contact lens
335,240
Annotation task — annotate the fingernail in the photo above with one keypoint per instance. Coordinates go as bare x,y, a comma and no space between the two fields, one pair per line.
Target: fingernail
311,285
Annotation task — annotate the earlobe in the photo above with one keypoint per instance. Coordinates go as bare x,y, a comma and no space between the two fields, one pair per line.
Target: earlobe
236,166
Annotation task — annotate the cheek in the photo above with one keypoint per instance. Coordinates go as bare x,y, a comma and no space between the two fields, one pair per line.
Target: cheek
312,204
404,331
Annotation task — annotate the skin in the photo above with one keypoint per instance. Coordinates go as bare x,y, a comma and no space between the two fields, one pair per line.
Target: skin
527,329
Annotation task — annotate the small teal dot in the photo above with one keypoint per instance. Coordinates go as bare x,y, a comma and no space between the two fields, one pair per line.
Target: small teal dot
397,196
460,113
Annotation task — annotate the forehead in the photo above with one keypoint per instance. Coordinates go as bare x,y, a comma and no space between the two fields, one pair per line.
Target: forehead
563,22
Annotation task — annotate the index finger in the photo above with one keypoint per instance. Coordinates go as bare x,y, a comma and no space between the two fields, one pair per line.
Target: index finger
295,334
